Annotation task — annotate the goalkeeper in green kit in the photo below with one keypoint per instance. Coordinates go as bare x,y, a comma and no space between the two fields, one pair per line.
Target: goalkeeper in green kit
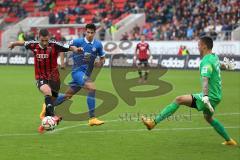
208,99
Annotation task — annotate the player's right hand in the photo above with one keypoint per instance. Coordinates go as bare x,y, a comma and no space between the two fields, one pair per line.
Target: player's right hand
80,50
206,101
134,61
11,45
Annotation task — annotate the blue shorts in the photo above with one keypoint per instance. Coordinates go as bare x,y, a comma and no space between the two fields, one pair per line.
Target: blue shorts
79,79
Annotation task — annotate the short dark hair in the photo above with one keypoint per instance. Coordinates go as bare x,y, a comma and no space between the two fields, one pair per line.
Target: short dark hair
207,41
43,32
91,26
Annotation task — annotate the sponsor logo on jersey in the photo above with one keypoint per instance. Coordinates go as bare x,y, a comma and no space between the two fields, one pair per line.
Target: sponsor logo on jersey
42,56
204,70
71,42
87,56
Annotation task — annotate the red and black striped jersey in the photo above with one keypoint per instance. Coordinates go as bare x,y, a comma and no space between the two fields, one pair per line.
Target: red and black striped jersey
45,59
143,49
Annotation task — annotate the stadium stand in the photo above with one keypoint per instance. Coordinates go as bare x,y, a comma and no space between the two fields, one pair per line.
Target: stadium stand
0,38
185,19
165,19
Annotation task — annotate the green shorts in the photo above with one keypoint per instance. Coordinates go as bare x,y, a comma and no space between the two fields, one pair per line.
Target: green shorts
200,106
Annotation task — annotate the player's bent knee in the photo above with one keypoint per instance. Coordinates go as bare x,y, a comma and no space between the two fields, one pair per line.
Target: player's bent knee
68,96
92,89
46,90
179,99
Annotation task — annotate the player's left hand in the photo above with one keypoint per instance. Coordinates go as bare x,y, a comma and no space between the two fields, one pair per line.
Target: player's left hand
150,59
206,101
134,61
98,64
11,45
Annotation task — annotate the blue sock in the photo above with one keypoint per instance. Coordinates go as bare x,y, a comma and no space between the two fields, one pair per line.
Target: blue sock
91,103
60,99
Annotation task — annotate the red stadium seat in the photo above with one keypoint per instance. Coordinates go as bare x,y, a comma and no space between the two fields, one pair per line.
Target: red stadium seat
29,4
88,17
119,1
72,18
29,9
11,19
34,14
66,3
93,11
119,5
90,6
58,8
3,10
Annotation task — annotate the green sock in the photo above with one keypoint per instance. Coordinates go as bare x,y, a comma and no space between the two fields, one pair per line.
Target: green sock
220,129
166,112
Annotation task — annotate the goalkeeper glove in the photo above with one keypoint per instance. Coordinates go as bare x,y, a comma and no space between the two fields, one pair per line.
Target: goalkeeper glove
229,64
206,101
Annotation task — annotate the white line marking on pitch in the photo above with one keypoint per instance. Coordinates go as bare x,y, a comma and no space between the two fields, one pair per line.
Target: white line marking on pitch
119,120
219,114
126,130
156,129
69,127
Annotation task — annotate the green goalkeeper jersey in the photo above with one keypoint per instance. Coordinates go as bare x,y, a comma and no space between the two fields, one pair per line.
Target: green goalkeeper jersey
210,67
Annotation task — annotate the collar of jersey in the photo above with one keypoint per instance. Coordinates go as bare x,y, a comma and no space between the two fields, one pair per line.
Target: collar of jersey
85,39
208,55
40,46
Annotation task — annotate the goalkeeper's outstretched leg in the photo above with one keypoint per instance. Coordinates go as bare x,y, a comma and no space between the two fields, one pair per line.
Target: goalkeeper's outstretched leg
192,101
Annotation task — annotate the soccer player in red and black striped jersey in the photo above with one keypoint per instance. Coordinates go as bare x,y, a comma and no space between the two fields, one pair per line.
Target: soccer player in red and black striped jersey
142,54
45,63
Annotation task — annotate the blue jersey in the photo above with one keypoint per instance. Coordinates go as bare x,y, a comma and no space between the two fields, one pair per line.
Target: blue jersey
85,61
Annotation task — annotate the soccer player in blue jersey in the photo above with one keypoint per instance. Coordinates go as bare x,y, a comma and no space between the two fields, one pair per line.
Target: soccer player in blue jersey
83,65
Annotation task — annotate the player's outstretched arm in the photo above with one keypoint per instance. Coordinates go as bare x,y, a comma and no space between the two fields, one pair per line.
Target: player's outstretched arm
14,44
62,64
76,50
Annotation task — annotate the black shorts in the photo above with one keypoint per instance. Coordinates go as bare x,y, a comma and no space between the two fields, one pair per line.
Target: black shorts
193,105
143,62
54,85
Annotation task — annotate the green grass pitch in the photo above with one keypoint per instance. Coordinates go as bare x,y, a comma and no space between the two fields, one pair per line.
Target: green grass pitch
121,138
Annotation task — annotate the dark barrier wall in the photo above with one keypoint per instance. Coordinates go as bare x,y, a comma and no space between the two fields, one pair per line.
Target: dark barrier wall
124,60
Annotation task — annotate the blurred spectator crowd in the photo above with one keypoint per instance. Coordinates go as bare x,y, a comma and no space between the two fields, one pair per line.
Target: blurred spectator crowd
12,7
165,19
184,19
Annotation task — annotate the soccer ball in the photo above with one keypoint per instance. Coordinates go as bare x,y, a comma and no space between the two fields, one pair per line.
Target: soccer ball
49,123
